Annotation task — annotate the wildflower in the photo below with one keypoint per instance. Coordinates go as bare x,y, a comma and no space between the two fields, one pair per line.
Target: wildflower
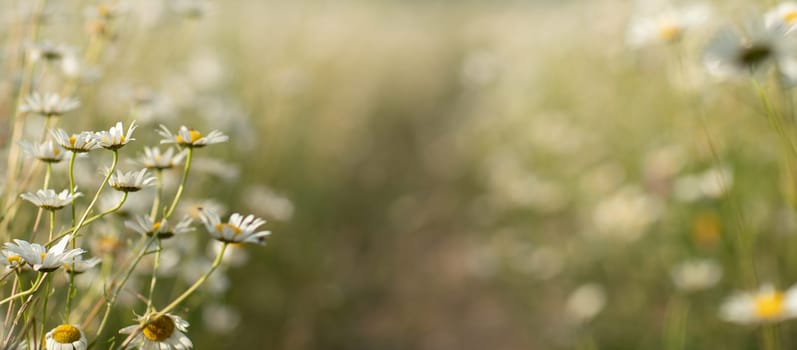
46,151
77,265
586,302
666,27
48,199
238,229
132,181
164,332
191,137
10,259
145,226
66,337
48,104
729,54
42,259
78,143
766,305
154,159
115,138
783,17
696,275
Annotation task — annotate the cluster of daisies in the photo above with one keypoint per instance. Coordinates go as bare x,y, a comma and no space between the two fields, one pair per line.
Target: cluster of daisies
156,329
767,44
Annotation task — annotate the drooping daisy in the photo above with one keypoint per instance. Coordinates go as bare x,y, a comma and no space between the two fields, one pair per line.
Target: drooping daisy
162,333
131,181
145,226
667,26
42,259
731,54
238,229
783,17
191,137
66,337
10,259
79,143
77,265
768,304
47,152
48,199
115,138
154,159
48,104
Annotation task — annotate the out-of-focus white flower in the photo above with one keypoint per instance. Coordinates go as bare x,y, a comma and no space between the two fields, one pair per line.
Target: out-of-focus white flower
116,137
131,181
49,199
164,332
48,104
46,151
268,203
694,275
626,214
713,183
782,17
77,265
154,159
78,143
66,337
586,302
220,318
144,225
768,304
667,26
194,208
234,255
42,259
191,138
238,229
731,54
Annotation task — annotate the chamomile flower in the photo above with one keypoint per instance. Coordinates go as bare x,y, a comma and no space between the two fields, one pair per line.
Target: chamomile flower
49,199
731,54
78,143
191,137
668,26
154,159
48,104
115,138
77,265
145,226
66,337
10,259
238,229
164,332
131,181
783,17
42,259
47,151
768,304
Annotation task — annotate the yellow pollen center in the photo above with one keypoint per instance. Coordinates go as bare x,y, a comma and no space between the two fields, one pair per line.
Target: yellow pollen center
669,32
159,329
156,226
14,259
66,334
56,151
43,255
122,139
72,140
195,135
769,306
790,17
235,229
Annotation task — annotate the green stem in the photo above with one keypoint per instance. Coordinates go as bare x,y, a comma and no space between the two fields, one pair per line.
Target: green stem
89,220
196,284
154,275
52,224
72,186
30,291
153,214
180,189
44,309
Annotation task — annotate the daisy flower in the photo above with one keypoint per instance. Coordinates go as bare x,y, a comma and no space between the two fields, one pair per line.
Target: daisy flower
66,337
47,151
42,259
10,259
115,138
77,265
191,138
783,17
766,305
48,199
154,159
238,229
732,55
48,104
165,332
131,181
666,27
145,226
78,143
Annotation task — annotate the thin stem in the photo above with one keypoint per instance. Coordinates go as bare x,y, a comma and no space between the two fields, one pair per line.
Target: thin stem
44,308
96,196
52,224
72,186
89,220
180,189
154,274
153,214
30,291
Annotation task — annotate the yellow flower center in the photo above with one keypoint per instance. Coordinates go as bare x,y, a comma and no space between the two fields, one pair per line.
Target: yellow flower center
235,229
56,151
790,17
66,334
669,32
195,135
72,140
156,226
14,259
769,306
43,255
160,329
